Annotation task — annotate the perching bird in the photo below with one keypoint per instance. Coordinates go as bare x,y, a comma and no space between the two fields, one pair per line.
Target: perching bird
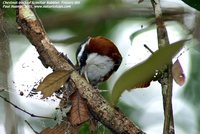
98,58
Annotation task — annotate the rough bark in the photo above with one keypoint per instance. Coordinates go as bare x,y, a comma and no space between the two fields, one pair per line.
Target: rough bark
167,79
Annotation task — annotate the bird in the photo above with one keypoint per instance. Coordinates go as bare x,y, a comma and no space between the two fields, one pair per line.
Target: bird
97,59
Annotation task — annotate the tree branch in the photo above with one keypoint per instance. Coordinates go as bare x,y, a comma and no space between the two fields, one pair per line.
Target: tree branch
50,57
105,13
5,58
167,79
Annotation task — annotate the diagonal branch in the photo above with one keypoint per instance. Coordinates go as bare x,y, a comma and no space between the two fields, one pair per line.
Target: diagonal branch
167,79
50,57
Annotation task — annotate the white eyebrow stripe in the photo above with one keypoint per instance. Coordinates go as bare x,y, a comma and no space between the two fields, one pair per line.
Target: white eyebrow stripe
82,50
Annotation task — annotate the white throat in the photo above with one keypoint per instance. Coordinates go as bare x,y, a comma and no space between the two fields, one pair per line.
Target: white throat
82,50
97,67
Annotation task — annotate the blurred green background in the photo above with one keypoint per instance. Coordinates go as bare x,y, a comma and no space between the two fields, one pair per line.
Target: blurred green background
129,25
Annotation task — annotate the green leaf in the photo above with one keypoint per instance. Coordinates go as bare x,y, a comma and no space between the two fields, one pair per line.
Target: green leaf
144,71
193,3
53,82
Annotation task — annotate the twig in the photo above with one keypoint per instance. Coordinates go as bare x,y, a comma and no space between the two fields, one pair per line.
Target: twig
148,48
32,115
167,80
50,57
31,127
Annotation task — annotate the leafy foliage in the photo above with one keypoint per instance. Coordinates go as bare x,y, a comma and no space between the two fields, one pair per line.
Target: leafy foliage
79,112
144,72
58,129
193,3
53,82
177,73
